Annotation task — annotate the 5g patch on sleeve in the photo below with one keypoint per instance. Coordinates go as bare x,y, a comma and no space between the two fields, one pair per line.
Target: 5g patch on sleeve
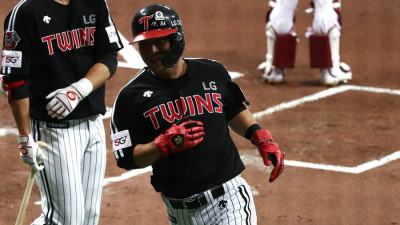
11,59
112,34
121,140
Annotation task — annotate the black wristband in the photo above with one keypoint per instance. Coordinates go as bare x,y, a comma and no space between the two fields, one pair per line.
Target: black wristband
250,131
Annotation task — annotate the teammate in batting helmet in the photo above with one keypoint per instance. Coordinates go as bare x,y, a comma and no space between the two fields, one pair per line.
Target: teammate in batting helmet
155,21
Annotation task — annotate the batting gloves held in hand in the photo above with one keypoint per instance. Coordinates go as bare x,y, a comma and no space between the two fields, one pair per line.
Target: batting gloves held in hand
180,137
269,151
63,101
30,152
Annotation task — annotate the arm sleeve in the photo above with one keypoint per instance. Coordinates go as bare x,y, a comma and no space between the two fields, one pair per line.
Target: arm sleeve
110,60
16,59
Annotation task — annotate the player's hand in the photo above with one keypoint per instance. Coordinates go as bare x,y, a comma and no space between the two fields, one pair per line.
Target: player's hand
180,137
3,87
270,152
30,152
63,101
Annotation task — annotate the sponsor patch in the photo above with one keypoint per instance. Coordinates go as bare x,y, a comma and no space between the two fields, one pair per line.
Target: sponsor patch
112,34
11,59
11,40
121,140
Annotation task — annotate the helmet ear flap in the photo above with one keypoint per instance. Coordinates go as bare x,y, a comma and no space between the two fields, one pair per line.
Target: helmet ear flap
171,57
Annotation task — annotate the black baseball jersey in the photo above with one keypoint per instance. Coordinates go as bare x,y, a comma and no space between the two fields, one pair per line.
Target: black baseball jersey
149,105
50,46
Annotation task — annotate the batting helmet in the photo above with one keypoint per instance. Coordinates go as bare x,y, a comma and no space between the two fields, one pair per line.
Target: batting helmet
156,21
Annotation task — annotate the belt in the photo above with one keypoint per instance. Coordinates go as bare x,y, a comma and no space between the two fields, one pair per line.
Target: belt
194,203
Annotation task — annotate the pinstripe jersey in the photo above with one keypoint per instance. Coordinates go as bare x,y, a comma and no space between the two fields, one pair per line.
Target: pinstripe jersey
51,46
149,105
54,45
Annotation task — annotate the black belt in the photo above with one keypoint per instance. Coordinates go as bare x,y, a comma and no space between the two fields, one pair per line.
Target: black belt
196,202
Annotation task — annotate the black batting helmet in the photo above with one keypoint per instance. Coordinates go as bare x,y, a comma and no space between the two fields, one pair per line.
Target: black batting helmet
156,21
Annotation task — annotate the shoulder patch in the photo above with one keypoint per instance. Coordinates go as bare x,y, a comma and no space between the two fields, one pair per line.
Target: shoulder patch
121,140
11,40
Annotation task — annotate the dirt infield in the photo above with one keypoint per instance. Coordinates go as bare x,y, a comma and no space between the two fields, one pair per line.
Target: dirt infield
337,133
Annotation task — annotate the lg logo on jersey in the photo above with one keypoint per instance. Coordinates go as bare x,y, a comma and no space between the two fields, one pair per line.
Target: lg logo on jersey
89,20
211,86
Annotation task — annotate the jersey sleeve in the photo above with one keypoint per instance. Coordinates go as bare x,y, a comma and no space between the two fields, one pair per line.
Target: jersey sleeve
16,53
122,139
107,37
234,97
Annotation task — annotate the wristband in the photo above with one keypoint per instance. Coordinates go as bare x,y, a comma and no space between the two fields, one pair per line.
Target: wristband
24,138
84,87
251,130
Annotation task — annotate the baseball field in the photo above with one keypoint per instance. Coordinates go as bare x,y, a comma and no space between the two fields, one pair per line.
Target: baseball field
341,144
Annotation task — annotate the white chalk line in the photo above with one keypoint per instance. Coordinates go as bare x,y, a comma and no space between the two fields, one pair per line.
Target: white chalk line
323,94
257,162
354,170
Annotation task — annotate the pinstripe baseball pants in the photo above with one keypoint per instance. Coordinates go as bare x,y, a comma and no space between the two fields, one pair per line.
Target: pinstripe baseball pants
71,182
235,206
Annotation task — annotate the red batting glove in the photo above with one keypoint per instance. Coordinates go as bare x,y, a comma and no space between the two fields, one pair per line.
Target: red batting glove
269,151
180,137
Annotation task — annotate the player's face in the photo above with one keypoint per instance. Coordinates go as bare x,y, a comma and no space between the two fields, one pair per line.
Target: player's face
152,51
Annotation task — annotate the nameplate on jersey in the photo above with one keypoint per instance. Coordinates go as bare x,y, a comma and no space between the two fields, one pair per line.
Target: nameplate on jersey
112,34
121,140
11,59
62,125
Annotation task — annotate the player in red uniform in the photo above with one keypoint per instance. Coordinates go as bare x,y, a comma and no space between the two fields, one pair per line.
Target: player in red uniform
174,115
57,54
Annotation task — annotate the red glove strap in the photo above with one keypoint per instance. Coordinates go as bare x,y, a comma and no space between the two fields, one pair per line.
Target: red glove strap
161,145
179,138
269,151
261,136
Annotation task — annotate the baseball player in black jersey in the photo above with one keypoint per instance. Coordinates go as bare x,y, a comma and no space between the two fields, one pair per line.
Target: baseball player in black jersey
56,57
174,115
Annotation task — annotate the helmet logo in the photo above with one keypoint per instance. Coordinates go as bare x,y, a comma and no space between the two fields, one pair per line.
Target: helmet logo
159,15
145,21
